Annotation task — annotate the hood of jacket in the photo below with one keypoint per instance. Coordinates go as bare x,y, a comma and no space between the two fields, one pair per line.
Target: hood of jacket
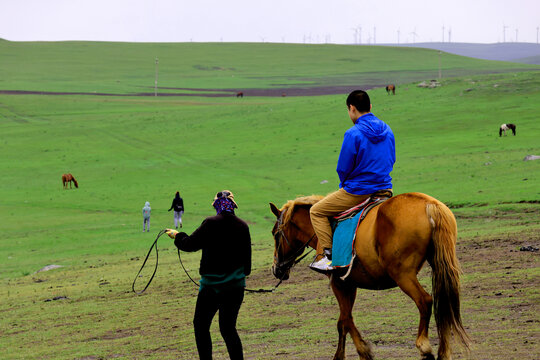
374,129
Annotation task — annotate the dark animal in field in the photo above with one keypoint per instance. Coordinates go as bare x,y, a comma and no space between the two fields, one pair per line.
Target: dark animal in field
392,244
68,178
391,88
240,94
505,127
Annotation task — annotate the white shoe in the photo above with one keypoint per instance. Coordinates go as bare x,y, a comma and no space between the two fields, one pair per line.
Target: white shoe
322,266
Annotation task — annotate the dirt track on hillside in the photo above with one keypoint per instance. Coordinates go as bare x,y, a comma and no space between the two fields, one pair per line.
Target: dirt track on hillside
190,92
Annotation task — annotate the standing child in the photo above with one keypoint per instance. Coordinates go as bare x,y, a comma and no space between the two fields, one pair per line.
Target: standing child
146,210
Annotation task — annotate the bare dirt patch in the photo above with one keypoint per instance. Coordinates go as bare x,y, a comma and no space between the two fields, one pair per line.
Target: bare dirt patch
191,92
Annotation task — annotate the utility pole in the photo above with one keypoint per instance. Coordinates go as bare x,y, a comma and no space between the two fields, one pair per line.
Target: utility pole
155,82
440,74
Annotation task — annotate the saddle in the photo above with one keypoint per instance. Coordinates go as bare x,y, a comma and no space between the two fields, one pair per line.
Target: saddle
344,227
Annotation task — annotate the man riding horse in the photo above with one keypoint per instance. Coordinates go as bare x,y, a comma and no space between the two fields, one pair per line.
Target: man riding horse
366,159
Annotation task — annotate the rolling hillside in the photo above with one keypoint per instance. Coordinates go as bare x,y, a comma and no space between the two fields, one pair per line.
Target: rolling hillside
527,53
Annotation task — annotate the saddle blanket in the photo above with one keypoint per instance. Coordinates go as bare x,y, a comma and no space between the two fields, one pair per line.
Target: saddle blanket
345,232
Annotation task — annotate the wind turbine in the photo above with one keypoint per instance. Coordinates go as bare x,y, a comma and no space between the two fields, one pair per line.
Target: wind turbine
357,35
399,32
443,33
504,33
414,34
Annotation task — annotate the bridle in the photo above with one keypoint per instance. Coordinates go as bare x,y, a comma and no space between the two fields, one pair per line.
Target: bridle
294,258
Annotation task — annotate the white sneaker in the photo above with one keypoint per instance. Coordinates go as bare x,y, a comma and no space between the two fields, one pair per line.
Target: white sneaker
322,266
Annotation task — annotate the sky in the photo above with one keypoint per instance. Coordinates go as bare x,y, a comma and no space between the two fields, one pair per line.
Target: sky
289,21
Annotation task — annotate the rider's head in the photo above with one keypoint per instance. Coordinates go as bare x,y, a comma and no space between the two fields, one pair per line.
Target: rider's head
360,100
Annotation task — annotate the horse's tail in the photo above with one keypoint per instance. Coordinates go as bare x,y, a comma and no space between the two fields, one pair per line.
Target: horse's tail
75,182
445,275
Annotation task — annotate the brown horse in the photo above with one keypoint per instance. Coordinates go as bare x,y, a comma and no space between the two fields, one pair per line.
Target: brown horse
68,178
391,88
392,244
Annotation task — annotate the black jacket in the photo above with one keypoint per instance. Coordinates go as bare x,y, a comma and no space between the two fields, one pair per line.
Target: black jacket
225,243
177,204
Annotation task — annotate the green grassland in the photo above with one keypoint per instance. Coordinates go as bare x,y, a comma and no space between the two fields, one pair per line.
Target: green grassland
124,68
131,149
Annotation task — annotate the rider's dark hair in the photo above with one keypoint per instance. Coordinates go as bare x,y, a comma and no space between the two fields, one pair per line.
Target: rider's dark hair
360,100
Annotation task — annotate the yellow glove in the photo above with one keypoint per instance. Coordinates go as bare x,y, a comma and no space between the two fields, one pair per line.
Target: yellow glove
172,233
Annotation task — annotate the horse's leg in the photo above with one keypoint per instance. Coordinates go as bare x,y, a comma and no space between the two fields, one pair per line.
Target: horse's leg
408,282
346,295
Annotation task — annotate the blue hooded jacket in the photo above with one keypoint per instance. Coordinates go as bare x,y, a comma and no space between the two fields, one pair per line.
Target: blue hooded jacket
367,156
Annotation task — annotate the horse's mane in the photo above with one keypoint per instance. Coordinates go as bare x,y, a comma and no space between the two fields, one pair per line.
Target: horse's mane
288,208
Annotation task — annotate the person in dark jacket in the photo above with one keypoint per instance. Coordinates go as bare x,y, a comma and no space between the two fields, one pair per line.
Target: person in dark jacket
225,262
367,157
178,207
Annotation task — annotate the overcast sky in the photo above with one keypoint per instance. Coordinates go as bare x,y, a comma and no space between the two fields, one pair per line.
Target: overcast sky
297,21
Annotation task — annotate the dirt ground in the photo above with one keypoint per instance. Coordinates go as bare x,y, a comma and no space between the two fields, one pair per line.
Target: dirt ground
273,92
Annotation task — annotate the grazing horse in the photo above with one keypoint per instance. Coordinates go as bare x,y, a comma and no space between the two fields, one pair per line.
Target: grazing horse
505,127
240,94
68,178
391,88
392,244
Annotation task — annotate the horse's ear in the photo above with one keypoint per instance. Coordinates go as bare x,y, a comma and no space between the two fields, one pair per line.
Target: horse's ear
275,210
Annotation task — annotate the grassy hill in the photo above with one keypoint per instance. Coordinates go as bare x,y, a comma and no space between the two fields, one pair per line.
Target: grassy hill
125,150
126,68
526,53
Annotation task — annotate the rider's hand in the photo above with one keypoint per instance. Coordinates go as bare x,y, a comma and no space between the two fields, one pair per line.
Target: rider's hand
172,233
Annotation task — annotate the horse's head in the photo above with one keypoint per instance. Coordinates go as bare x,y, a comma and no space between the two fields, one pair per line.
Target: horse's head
292,233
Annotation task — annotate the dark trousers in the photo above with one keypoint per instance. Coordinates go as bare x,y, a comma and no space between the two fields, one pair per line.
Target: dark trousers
228,304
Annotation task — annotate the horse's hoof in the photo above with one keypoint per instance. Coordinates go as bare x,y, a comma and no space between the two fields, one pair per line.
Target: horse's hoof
428,357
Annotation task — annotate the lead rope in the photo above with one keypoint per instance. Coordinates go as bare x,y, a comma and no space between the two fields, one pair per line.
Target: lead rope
144,263
154,244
